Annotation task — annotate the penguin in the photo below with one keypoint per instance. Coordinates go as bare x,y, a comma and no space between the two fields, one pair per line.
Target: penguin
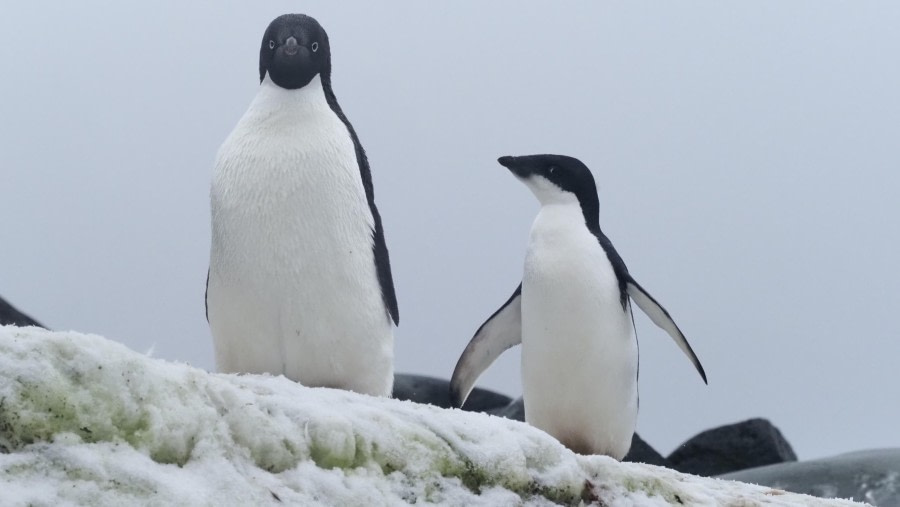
572,314
299,280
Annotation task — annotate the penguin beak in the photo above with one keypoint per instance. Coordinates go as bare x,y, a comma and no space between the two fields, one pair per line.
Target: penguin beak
510,163
291,47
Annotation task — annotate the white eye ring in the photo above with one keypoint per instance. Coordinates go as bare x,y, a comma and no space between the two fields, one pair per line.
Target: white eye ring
315,46
552,168
271,44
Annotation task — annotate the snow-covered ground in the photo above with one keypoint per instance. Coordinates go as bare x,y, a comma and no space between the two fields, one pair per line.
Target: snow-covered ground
84,420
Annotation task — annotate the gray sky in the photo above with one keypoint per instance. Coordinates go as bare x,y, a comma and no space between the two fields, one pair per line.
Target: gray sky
746,154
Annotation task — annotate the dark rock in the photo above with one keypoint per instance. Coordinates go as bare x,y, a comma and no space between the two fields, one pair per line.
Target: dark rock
514,410
640,451
435,391
866,476
748,444
10,316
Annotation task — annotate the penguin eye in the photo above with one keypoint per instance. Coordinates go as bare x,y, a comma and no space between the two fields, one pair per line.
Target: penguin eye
315,46
552,168
271,44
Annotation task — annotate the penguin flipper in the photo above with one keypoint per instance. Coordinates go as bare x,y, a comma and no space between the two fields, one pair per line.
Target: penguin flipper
499,332
206,297
661,318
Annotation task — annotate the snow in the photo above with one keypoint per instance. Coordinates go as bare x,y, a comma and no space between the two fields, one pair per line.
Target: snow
86,421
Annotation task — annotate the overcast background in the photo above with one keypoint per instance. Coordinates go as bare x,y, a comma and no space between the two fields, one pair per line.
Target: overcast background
746,154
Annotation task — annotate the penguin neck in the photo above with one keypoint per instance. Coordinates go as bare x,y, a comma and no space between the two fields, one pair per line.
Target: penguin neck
567,204
560,217
583,199
273,101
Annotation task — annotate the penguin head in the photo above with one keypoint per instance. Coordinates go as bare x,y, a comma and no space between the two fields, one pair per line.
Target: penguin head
294,50
554,179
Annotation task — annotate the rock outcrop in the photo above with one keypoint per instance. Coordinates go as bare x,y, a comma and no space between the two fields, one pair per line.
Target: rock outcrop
747,444
865,476
435,391
10,316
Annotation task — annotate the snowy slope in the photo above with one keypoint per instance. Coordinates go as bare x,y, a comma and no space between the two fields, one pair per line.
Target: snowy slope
83,420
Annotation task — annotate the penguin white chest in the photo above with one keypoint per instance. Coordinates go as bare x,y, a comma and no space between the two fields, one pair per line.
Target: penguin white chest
579,353
293,288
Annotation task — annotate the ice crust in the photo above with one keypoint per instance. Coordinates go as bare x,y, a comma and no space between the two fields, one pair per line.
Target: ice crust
86,421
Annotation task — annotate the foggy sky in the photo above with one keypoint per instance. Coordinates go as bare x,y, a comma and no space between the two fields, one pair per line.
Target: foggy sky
746,156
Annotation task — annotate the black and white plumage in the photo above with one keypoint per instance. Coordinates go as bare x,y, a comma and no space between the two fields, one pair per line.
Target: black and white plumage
300,279
572,315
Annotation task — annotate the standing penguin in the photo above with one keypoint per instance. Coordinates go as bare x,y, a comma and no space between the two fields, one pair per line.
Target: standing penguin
299,277
572,315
